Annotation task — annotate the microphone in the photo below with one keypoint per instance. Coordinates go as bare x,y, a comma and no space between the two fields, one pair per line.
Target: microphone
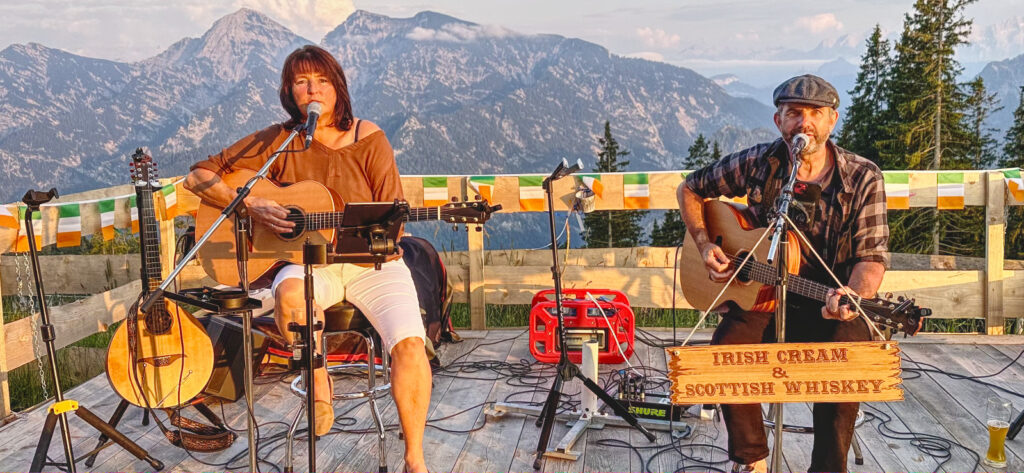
312,115
799,142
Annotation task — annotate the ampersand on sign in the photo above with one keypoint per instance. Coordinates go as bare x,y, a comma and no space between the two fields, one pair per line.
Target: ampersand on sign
779,373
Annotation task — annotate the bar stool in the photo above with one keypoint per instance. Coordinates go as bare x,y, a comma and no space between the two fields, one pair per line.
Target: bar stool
344,319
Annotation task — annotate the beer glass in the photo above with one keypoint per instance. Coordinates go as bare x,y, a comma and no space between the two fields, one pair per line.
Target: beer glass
997,418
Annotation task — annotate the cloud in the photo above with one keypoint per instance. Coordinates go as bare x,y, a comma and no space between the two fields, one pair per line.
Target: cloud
819,23
656,38
458,33
309,18
648,55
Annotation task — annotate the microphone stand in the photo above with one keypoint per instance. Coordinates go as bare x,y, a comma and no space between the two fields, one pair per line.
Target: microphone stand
781,237
242,224
567,370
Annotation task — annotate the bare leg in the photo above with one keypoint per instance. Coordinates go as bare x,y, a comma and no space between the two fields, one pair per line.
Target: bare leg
411,384
290,306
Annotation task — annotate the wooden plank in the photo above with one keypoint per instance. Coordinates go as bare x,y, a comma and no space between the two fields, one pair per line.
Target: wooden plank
789,372
995,233
474,286
940,397
72,322
974,187
5,392
612,198
77,274
506,193
492,448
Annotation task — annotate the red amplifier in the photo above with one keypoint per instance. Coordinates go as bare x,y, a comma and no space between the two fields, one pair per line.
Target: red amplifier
583,322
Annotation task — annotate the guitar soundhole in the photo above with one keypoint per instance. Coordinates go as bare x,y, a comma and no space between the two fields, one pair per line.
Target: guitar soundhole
295,215
158,321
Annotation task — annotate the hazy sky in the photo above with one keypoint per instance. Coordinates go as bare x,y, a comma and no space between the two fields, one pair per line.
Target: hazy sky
704,34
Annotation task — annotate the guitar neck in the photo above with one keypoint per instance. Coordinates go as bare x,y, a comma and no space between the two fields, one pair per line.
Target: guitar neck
325,220
769,275
149,238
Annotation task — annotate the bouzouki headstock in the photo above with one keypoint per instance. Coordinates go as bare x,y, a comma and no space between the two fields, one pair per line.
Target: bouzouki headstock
901,314
469,212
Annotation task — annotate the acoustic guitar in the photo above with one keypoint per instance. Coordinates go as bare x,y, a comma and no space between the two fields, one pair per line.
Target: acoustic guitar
313,209
165,358
729,228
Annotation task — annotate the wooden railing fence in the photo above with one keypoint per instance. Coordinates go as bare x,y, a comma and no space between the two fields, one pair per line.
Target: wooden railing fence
988,288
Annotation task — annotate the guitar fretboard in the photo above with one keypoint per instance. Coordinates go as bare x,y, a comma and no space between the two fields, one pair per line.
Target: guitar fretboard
149,237
324,220
765,274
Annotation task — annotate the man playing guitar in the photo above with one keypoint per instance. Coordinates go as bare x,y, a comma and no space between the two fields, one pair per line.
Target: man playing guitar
839,204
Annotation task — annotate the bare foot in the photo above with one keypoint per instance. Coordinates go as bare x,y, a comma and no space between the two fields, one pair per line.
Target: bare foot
416,465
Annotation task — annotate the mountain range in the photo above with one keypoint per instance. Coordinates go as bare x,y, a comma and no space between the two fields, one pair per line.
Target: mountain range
453,97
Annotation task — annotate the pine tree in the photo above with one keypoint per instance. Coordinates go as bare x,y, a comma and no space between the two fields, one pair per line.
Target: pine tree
618,228
864,124
925,123
1013,150
980,105
925,120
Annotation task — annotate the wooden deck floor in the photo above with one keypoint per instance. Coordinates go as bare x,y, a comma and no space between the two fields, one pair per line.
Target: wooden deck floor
935,405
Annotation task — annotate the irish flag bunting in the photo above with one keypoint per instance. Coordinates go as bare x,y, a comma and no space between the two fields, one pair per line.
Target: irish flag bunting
170,201
950,190
106,209
69,225
37,229
483,186
531,194
133,207
593,182
636,194
1014,184
435,191
7,219
897,190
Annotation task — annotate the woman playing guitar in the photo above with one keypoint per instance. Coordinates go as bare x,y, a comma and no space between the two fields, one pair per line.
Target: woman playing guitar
353,158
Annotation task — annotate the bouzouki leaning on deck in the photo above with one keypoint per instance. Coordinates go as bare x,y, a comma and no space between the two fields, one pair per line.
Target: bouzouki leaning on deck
729,228
313,209
162,358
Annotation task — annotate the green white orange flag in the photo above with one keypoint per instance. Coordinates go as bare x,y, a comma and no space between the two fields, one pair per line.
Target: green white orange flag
69,225
7,219
897,190
636,193
950,190
37,229
435,191
531,194
133,207
483,186
593,182
106,209
170,201
1014,184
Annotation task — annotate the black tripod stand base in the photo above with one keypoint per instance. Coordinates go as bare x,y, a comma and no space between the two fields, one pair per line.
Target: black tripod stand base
39,459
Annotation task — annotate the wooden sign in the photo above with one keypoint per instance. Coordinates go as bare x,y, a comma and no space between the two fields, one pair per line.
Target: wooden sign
786,372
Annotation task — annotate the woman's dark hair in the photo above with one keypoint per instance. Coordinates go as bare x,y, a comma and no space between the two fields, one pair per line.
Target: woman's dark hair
311,58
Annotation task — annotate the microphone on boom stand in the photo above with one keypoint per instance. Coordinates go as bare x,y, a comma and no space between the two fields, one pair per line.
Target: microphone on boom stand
313,111
563,169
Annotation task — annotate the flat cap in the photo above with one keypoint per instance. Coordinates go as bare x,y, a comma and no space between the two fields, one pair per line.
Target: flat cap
809,89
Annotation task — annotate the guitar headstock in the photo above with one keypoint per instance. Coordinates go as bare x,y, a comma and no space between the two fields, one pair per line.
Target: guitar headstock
470,212
143,170
901,314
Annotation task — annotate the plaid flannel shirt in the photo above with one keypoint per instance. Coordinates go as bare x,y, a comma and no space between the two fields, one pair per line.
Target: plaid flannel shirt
856,229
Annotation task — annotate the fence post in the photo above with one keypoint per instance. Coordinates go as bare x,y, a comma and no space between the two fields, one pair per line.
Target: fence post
5,392
475,291
995,231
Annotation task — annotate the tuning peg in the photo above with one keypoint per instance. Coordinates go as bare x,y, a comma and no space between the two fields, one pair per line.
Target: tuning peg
455,198
477,197
455,228
479,228
901,299
888,295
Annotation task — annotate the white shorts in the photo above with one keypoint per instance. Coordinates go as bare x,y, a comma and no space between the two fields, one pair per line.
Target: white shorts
387,297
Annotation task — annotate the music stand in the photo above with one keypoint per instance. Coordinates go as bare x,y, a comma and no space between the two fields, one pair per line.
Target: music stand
367,234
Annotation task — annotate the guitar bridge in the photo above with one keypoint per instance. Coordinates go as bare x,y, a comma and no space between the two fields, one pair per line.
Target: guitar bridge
161,361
